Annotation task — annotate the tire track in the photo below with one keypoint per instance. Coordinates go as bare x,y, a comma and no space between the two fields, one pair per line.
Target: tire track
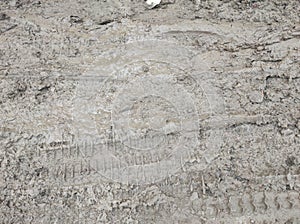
253,204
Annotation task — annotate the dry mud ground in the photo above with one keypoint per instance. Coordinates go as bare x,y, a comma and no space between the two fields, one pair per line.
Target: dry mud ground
111,112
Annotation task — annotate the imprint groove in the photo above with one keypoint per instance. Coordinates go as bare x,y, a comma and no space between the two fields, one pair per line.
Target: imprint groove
144,119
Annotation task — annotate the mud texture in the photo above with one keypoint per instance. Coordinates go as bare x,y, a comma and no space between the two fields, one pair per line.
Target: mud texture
112,112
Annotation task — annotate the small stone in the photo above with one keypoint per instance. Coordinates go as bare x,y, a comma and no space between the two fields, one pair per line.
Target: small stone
260,48
153,3
194,196
298,125
13,3
286,132
256,97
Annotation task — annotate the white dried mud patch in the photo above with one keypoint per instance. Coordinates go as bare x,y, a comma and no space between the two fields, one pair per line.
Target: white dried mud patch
114,113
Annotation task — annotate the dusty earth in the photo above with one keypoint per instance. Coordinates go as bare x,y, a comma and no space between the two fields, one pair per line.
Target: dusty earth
112,112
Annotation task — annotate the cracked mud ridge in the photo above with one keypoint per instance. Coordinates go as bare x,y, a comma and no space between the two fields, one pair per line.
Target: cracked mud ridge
171,111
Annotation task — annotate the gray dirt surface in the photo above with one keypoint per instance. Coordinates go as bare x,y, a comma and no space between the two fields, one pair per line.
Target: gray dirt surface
111,112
